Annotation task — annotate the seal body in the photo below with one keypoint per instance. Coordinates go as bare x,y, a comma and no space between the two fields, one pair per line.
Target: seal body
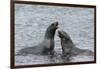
69,48
46,46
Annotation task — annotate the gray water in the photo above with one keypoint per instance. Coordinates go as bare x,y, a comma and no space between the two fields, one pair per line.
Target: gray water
31,22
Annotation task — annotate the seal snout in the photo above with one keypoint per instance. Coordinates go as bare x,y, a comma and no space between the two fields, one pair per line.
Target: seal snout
60,33
56,23
63,34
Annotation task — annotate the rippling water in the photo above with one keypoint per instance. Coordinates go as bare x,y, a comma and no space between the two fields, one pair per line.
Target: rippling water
31,22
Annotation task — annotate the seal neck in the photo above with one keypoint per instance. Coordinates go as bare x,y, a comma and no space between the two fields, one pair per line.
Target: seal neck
49,34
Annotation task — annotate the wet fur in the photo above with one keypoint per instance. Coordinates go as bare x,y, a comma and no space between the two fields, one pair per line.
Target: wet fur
69,48
46,46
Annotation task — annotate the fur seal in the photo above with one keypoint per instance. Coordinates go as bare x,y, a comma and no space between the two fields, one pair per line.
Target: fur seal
46,46
68,47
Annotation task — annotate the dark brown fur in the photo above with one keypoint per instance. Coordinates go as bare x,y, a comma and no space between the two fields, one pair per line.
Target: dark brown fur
46,46
69,48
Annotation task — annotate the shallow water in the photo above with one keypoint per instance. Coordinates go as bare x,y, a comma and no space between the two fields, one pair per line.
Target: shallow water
31,22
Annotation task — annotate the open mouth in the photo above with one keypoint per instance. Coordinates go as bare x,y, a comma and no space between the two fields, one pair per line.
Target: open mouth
56,23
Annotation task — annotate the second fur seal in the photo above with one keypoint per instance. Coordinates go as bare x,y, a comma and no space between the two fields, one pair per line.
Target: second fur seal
68,47
46,46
